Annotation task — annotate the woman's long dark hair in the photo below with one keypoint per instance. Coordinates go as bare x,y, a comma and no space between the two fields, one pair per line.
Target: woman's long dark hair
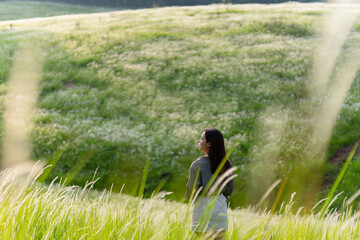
216,150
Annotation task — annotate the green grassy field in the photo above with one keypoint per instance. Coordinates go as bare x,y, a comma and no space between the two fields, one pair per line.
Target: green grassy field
30,211
124,87
11,10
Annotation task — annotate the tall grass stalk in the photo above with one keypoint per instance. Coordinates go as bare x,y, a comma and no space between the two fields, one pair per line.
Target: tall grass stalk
338,179
52,162
58,212
295,140
20,102
279,193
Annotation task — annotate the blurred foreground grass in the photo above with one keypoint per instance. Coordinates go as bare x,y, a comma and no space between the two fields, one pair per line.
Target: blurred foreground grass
31,211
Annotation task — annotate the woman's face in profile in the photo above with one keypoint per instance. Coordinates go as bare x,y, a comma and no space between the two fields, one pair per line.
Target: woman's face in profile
203,145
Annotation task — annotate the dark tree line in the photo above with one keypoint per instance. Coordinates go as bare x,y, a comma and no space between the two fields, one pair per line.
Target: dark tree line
152,3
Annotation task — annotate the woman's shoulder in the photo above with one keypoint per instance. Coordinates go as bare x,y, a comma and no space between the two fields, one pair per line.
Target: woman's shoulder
200,161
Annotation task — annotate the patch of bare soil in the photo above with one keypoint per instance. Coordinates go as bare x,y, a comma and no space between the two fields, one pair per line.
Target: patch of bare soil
338,159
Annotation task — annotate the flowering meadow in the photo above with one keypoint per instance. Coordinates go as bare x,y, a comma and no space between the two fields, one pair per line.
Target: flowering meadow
122,88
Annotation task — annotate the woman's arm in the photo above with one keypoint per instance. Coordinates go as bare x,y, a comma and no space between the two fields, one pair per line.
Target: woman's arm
194,179
228,189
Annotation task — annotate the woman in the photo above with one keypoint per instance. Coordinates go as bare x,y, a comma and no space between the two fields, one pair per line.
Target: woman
210,212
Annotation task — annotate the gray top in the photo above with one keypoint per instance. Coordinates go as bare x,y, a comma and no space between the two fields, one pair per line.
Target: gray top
203,165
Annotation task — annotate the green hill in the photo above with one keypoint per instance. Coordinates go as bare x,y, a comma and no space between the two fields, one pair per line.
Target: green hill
124,87
11,10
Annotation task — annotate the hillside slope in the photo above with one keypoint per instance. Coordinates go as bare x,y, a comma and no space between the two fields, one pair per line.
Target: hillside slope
11,10
124,87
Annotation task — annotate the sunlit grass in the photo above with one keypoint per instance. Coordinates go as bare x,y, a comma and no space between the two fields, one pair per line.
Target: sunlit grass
31,211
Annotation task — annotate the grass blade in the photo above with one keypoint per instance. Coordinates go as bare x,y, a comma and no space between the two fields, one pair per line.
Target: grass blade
338,179
52,162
